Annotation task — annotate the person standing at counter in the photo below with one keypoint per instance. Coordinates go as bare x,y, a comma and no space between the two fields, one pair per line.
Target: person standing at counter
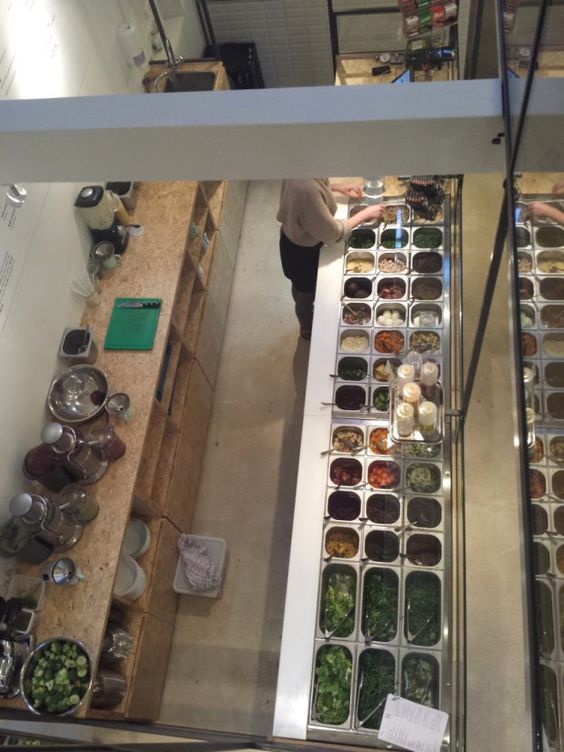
306,213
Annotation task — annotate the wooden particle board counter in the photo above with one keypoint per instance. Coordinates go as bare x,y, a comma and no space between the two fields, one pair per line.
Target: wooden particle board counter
356,68
171,389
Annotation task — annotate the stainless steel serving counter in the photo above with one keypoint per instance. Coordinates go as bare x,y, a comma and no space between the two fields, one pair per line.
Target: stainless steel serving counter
311,563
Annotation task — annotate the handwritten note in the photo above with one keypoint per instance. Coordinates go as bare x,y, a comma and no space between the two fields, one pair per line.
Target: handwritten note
412,726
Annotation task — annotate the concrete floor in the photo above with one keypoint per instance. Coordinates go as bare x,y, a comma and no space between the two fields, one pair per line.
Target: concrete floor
246,496
222,672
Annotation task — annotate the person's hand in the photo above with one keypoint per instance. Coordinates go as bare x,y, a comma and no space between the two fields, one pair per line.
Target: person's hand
538,209
375,211
352,191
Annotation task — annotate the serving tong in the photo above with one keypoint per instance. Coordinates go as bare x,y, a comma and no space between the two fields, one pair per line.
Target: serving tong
422,700
328,635
369,638
410,636
362,721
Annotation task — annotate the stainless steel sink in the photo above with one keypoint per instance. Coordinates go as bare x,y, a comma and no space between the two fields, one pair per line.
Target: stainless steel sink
189,81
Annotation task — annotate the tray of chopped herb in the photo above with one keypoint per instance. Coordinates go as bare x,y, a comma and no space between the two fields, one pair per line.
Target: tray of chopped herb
380,605
331,700
376,679
338,601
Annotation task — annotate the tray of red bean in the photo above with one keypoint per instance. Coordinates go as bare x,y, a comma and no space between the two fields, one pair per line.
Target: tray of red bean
384,474
345,471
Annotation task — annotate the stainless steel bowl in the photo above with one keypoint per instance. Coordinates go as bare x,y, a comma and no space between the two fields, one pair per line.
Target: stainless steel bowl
78,394
30,664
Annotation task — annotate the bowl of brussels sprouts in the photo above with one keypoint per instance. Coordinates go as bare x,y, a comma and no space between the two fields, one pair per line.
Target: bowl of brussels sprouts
56,677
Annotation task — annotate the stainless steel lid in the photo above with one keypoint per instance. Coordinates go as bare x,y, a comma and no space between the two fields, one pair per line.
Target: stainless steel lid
51,433
21,504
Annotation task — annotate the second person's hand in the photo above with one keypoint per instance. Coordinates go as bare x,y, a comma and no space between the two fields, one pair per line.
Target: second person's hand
352,191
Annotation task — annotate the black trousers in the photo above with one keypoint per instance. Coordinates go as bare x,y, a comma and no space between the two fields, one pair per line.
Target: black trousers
299,264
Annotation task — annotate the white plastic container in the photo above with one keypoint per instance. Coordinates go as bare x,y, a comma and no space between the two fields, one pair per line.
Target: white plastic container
216,548
23,586
130,579
137,538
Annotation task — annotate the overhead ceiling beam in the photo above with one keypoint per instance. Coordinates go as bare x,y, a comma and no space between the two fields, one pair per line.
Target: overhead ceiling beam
442,127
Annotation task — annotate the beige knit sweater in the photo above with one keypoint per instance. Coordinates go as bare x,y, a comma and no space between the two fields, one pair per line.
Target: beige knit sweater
306,212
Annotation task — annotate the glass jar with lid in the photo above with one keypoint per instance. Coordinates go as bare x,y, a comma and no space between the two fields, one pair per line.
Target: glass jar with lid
104,440
76,502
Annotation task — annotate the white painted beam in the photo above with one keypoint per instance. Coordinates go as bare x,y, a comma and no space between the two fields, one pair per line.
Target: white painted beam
443,127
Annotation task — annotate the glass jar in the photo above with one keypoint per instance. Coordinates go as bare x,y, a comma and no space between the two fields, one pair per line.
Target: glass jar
78,504
103,439
116,646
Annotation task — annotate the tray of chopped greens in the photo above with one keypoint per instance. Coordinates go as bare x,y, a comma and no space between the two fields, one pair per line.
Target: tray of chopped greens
332,685
338,601
420,679
380,605
376,679
56,677
423,477
421,450
422,622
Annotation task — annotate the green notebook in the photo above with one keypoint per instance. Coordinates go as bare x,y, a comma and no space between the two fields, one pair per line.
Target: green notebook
132,328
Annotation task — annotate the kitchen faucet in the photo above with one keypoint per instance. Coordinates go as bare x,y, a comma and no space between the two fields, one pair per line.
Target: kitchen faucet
173,61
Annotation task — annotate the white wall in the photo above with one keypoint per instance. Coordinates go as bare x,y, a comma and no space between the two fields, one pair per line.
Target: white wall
292,37
84,60
182,27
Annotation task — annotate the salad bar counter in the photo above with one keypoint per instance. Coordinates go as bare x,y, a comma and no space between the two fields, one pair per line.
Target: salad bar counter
382,579
541,290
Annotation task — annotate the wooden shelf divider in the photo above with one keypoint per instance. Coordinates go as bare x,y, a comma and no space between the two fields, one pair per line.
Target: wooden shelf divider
194,317
164,466
183,294
150,456
214,191
182,376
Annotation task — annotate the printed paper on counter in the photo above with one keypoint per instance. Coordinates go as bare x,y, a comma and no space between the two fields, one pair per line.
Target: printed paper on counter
412,726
